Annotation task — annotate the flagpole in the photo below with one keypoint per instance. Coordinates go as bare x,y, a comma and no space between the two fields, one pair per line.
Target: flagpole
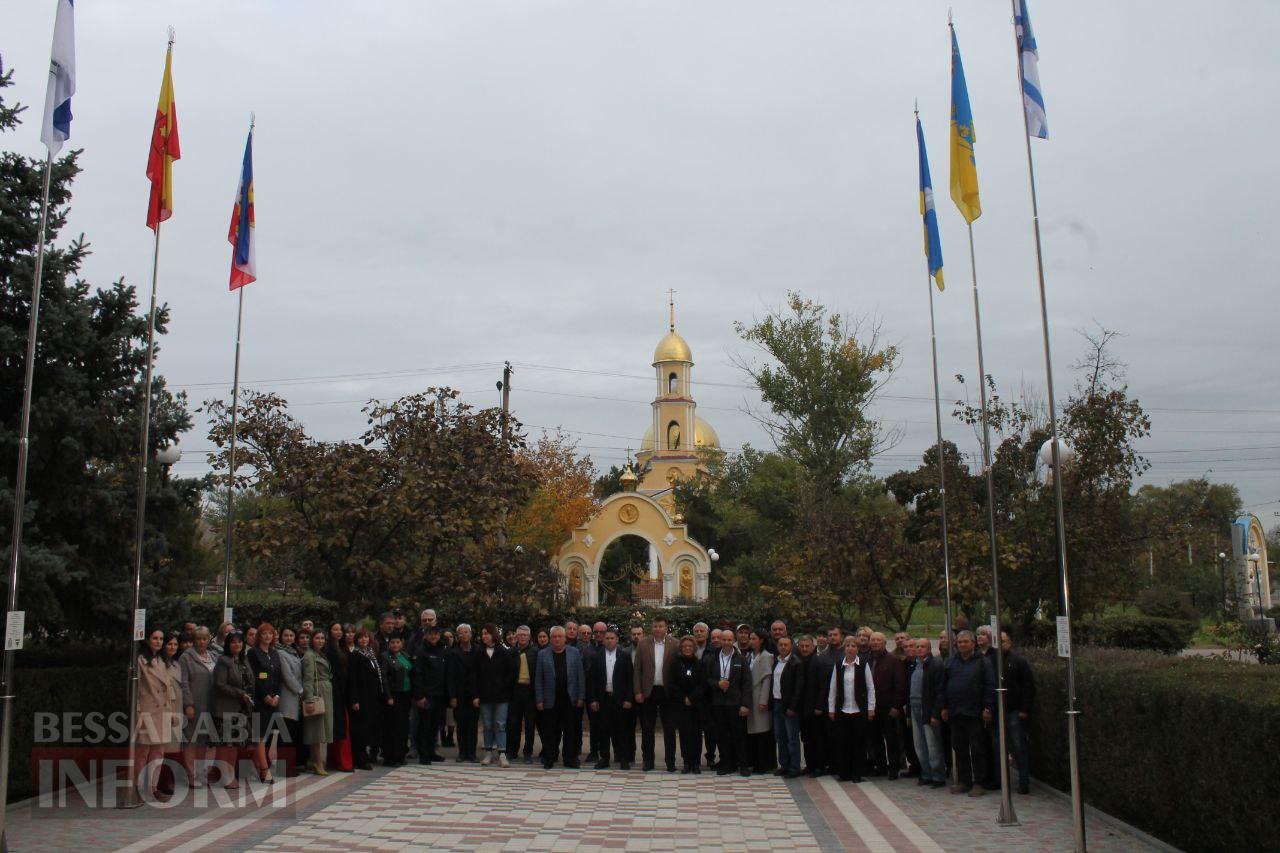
131,800
1007,816
231,461
20,496
1073,714
942,477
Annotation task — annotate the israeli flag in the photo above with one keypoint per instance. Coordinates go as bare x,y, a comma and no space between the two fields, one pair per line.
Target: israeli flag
62,80
1032,100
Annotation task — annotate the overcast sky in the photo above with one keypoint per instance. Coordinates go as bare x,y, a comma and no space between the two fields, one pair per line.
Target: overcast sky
445,185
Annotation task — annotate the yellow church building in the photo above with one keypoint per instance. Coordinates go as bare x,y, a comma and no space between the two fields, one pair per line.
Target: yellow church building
645,506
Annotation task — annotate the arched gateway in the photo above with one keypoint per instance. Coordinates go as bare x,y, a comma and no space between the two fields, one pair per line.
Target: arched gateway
645,507
681,563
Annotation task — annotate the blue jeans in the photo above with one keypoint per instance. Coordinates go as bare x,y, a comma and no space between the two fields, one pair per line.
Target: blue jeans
1016,730
494,717
786,731
928,741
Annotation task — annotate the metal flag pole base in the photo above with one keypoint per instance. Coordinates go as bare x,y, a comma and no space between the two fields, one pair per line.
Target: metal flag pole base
1007,815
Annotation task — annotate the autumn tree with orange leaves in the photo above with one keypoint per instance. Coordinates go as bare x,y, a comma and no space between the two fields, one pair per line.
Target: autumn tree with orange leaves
563,499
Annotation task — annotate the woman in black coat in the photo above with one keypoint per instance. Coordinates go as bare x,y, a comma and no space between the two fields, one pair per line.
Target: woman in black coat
337,649
398,669
367,695
687,683
495,675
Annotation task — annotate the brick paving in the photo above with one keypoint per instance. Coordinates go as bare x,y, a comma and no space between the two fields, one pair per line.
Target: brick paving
466,807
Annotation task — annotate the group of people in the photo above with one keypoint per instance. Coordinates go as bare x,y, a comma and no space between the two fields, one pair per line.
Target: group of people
732,699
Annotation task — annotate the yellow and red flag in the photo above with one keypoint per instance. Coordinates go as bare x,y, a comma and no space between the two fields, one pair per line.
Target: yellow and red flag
164,150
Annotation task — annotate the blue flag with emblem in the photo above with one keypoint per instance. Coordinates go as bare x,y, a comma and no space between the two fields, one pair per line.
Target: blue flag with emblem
932,242
1029,57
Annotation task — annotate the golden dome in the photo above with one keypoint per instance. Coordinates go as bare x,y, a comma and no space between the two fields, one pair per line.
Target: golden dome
703,436
672,348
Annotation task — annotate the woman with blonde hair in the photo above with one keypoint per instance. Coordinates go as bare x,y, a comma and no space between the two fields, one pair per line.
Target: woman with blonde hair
196,666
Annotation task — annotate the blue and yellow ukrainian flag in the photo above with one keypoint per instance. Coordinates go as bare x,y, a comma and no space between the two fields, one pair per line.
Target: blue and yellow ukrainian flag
964,169
932,242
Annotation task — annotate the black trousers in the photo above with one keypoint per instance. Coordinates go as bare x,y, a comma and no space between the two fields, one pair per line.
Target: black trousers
689,724
557,730
466,718
657,705
812,728
395,728
831,743
851,740
731,737
617,731
969,738
522,714
430,719
909,745
708,731
885,740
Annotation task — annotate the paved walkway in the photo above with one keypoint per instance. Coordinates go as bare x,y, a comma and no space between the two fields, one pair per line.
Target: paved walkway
467,807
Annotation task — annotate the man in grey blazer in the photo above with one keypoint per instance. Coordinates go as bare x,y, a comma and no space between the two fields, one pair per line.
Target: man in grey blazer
655,658
559,689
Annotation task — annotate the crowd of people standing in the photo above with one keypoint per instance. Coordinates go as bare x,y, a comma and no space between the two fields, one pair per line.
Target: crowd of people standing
733,699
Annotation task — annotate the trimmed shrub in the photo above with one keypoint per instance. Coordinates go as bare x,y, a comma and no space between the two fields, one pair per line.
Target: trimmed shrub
1179,747
256,608
1166,603
1130,631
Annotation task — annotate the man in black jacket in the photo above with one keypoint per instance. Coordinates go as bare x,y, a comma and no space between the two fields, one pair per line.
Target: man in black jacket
1020,697
729,683
827,662
464,695
787,704
430,693
522,713
968,697
812,718
609,686
705,713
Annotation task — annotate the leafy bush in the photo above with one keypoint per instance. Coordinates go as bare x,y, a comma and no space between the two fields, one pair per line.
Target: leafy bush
1159,735
1167,604
1128,631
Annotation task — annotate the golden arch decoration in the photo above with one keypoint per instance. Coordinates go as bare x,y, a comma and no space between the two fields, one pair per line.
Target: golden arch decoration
628,514
686,580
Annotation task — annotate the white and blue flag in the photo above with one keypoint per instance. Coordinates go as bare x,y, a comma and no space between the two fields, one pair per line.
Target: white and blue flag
62,80
1032,99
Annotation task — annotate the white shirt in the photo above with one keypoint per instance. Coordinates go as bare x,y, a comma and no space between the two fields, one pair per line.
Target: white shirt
726,665
659,648
777,676
610,658
850,700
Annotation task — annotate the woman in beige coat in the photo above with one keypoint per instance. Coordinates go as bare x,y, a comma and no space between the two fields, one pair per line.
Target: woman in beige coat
761,751
157,711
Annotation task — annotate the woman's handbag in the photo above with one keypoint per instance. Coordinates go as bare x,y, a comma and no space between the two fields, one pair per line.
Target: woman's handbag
314,707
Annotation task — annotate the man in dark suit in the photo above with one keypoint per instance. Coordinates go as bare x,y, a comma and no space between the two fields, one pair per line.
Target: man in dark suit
826,663
560,689
729,683
812,725
609,687
653,662
591,650
705,713
787,703
884,740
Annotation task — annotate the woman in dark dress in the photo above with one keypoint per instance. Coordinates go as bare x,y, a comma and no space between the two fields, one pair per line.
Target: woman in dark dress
338,650
398,669
367,696
231,703
264,661
686,692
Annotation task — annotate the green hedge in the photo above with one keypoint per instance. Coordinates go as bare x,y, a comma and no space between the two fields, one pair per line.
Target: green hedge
1183,748
256,608
1136,631
58,689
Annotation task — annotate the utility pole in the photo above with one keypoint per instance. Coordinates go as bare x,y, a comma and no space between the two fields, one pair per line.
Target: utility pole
505,385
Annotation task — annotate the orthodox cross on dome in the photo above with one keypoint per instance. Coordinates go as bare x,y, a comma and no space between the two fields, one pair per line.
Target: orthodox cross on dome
671,301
